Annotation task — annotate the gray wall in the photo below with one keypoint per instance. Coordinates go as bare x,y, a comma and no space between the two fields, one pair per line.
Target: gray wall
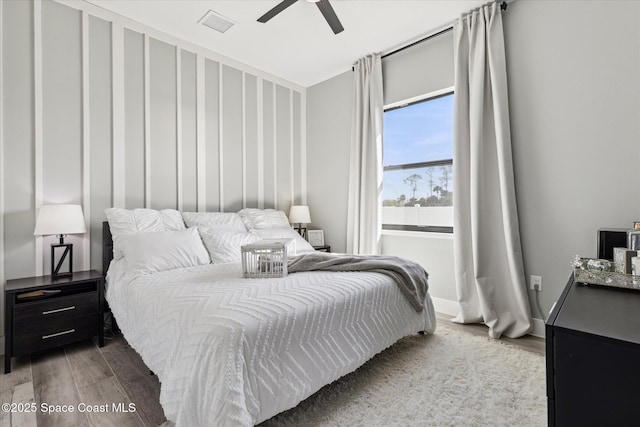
574,96
102,112
328,146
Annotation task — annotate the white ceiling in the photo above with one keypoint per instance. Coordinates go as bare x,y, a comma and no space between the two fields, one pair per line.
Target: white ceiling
297,45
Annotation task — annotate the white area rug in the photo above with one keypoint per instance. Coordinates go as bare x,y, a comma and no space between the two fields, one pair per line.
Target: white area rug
451,378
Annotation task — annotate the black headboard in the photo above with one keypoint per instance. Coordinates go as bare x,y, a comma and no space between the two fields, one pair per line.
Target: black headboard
107,247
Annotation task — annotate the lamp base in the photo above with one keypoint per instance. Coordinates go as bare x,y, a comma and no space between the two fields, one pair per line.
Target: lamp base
55,268
302,231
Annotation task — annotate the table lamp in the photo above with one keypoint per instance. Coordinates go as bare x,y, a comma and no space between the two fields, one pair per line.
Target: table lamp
300,215
60,220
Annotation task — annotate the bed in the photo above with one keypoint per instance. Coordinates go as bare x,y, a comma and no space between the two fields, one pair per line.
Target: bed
234,351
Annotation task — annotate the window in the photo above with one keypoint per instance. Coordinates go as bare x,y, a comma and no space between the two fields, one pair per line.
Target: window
418,165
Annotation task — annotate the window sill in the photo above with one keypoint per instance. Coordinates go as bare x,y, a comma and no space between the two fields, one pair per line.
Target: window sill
419,234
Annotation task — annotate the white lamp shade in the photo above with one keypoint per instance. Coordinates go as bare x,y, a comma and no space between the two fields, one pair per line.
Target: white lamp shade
299,214
60,219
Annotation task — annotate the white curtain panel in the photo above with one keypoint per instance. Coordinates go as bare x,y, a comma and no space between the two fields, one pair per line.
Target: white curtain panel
364,226
489,268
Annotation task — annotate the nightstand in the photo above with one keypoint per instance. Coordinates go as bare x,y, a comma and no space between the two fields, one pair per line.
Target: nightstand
323,248
42,313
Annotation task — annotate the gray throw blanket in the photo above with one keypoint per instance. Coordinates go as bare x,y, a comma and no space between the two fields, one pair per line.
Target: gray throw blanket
410,276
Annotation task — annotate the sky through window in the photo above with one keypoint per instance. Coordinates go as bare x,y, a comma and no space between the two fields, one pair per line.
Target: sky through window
420,132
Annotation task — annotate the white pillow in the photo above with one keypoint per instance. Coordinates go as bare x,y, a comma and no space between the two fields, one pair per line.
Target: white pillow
217,220
224,245
130,221
300,245
256,219
164,250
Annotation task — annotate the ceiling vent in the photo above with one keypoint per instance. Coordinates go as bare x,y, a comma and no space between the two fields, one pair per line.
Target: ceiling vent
216,21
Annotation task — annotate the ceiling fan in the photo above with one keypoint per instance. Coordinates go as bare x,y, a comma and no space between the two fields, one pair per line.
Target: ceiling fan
324,6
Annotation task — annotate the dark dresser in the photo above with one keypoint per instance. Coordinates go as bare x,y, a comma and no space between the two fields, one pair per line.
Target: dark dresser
593,357
42,313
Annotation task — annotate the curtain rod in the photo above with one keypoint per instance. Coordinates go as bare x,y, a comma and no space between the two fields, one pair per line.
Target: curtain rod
424,39
449,27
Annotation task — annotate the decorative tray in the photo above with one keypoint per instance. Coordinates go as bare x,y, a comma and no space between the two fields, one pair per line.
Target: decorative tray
582,274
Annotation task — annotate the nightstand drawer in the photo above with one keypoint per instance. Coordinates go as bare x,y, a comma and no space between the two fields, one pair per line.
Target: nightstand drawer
52,310
53,334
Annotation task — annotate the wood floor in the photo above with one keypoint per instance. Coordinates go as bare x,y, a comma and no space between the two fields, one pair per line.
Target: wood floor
114,382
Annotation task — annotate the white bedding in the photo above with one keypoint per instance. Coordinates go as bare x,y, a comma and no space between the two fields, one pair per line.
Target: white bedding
234,352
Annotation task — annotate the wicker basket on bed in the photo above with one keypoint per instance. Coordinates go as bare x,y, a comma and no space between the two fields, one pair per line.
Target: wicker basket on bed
262,260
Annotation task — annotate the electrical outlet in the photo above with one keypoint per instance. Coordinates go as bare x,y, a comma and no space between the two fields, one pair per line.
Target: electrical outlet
535,283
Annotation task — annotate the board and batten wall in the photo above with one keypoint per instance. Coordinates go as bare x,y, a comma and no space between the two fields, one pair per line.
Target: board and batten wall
101,111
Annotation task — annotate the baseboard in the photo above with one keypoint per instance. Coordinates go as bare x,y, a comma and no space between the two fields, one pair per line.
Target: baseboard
538,328
446,306
452,308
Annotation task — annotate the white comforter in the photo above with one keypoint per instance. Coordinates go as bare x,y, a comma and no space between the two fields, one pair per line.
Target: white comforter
234,352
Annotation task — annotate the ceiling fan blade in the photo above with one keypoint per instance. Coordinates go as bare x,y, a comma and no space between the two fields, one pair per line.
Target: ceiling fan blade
276,10
330,16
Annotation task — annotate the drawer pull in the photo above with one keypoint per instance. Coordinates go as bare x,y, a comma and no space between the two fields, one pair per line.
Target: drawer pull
57,334
58,310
